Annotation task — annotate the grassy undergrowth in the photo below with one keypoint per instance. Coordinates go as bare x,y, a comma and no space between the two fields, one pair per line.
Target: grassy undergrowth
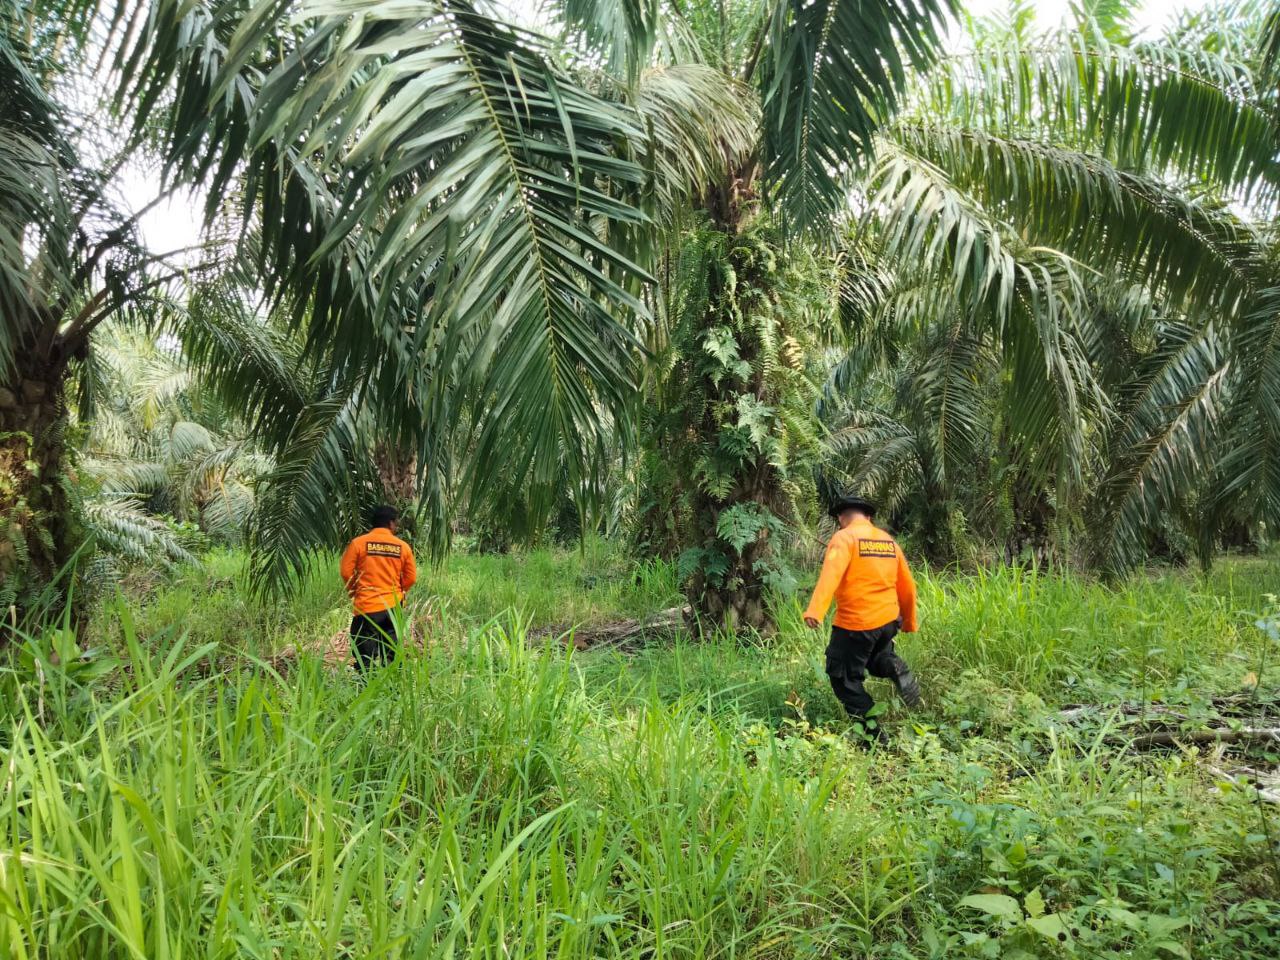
493,798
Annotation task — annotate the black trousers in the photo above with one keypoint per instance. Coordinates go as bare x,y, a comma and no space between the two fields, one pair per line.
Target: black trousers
852,654
373,639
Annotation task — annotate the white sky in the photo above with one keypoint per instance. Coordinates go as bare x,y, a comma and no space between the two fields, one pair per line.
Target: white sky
1151,15
176,225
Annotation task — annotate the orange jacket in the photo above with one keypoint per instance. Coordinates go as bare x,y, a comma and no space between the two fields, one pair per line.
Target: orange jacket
377,569
865,571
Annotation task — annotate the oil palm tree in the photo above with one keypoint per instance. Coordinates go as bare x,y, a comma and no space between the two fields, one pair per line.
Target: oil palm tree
744,293
69,258
454,218
912,422
422,193
1066,197
1001,189
156,442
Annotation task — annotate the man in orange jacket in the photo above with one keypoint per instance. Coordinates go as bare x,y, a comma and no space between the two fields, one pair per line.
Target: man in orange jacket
377,569
866,573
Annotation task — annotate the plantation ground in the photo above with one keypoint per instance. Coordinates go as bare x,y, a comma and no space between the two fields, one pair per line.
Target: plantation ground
188,792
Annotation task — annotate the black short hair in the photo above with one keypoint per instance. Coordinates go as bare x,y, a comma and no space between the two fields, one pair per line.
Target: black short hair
384,515
852,502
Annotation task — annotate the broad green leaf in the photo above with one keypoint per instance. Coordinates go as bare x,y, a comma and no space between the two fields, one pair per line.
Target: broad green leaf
1055,926
1033,903
994,904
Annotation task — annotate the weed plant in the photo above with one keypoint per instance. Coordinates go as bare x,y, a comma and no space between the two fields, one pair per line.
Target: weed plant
497,797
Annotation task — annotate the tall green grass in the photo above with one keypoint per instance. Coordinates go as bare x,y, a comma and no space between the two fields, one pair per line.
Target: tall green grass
1046,632
547,589
496,798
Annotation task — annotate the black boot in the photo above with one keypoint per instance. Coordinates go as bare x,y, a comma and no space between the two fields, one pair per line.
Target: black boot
890,666
908,687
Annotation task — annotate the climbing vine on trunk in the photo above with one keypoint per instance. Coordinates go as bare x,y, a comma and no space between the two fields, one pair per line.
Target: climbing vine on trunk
37,528
729,420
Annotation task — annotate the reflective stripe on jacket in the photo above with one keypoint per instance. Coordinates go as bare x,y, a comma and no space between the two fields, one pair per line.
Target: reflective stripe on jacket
377,569
865,572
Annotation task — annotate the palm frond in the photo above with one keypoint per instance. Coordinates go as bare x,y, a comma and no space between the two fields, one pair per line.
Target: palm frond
1150,108
125,528
926,219
34,161
1270,52
187,439
1030,298
131,479
314,489
872,452
318,493
949,390
623,33
493,220
1112,19
831,75
866,284
703,128
227,514
1249,473
1233,29
205,471
1191,249
1162,443
248,361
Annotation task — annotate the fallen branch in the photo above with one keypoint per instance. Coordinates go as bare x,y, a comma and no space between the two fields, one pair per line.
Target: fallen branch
1233,705
622,632
1171,738
615,633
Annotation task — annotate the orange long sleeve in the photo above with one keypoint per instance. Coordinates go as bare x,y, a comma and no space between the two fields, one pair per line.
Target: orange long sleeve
834,565
906,595
409,570
866,574
347,568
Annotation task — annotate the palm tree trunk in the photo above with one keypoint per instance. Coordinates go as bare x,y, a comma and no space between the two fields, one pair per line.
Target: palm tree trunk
398,472
37,532
736,598
1031,537
728,589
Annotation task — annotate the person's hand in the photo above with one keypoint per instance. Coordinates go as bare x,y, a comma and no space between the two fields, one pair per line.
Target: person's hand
812,623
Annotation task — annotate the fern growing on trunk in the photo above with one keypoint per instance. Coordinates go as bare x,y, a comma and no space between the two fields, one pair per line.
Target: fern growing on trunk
729,418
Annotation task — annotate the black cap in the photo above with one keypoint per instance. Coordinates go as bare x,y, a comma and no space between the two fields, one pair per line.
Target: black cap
850,502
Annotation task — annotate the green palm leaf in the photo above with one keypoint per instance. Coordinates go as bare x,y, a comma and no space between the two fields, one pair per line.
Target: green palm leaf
1151,107
1191,249
831,74
318,492
1249,474
703,130
35,158
123,527
1161,445
623,32
320,479
1270,52
949,391
453,180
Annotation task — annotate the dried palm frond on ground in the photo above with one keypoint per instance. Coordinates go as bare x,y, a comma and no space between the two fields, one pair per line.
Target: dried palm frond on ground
1243,724
623,634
